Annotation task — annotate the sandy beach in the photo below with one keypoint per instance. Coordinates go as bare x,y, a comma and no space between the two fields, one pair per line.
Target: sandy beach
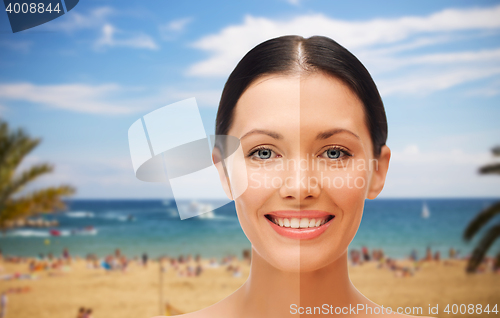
136,292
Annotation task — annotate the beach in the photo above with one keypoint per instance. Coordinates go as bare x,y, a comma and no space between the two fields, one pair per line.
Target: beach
41,282
135,292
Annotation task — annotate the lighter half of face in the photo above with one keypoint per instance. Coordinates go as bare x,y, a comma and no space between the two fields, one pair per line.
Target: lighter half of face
309,161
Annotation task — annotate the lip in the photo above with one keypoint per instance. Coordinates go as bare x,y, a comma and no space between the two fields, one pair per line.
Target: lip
300,234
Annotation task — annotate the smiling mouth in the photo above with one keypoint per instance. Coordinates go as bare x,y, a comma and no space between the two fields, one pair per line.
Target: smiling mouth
300,223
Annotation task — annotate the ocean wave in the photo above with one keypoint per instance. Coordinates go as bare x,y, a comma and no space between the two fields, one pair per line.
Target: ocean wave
65,233
29,233
211,215
51,233
219,217
92,231
119,217
80,214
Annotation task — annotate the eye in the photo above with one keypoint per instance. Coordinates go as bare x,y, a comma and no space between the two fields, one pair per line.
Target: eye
262,154
335,153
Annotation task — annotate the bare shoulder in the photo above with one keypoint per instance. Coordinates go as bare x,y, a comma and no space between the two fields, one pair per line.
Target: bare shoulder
222,309
197,314
209,312
203,313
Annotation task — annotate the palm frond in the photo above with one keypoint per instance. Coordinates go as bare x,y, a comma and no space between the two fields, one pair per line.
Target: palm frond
49,199
40,201
480,220
491,168
14,146
17,183
496,151
482,248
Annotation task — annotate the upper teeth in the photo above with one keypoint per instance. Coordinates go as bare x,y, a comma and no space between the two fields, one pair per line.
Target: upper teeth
297,223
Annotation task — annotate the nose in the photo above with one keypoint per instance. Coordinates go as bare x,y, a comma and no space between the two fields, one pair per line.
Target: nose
300,183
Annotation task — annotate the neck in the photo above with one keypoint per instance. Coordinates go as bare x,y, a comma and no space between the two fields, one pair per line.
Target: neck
270,292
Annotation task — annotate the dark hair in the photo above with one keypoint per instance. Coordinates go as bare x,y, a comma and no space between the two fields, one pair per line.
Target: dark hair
292,54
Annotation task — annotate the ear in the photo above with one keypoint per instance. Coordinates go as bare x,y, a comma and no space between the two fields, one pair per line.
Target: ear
221,169
380,167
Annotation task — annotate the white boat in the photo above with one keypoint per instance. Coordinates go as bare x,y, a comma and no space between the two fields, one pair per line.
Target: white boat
425,211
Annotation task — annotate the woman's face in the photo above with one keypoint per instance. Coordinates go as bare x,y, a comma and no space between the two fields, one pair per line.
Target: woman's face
309,165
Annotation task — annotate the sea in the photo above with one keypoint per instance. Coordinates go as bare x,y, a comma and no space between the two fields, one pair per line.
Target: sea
154,227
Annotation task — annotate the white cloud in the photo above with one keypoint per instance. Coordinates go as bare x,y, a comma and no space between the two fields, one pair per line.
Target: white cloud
488,90
74,97
204,97
109,38
377,42
109,35
77,21
422,173
93,176
430,81
457,57
19,46
386,62
172,29
102,99
414,156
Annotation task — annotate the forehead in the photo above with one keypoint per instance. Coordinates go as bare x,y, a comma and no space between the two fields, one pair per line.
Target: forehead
305,103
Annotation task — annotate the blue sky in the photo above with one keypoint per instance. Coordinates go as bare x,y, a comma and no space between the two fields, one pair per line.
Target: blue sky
81,80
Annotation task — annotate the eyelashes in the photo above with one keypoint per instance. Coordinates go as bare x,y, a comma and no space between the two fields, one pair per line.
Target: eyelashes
333,153
336,152
262,153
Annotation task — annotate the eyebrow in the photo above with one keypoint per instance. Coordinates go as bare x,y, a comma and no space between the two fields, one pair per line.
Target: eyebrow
327,134
272,134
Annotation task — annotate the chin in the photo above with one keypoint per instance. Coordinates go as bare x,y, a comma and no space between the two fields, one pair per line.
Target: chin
283,258
312,260
300,259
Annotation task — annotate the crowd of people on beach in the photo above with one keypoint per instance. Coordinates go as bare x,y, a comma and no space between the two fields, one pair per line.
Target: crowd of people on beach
49,263
84,313
358,257
184,265
112,262
195,266
189,266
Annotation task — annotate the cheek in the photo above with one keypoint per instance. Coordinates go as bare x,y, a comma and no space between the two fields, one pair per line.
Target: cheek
262,185
345,185
347,190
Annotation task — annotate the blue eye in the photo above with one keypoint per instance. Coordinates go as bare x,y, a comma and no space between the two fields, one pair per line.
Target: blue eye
333,153
264,153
